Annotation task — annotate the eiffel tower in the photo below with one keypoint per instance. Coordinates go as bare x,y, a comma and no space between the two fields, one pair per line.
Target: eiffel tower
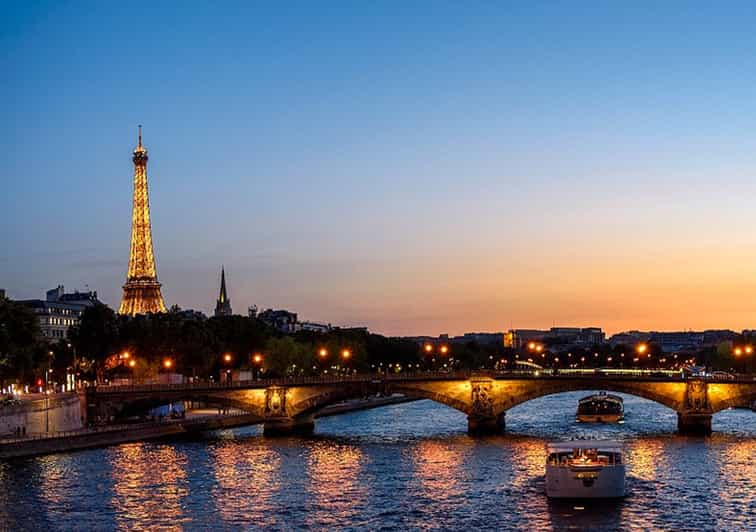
141,293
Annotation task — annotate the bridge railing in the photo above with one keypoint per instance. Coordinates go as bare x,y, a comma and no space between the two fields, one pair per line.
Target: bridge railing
629,374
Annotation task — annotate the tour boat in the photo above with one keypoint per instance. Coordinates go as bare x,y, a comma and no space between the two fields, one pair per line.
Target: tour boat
601,408
585,469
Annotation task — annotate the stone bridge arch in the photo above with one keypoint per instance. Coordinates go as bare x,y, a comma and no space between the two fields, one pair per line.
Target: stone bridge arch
514,393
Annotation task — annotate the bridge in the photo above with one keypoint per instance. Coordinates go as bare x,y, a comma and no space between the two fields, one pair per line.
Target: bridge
289,405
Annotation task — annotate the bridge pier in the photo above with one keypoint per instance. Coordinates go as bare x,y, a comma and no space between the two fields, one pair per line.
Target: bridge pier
481,426
694,423
289,426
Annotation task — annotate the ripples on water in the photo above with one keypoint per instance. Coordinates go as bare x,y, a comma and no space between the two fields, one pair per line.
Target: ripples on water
408,466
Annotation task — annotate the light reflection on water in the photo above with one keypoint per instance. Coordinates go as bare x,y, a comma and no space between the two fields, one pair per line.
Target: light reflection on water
407,466
140,468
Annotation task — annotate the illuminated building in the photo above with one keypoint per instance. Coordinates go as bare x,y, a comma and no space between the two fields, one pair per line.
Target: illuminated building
141,293
59,311
223,303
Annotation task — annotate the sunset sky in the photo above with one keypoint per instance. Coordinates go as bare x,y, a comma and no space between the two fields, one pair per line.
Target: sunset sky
415,167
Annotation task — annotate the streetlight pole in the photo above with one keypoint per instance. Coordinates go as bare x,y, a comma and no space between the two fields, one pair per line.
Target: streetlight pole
47,402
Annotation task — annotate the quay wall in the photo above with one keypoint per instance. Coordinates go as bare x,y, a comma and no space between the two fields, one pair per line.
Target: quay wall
64,414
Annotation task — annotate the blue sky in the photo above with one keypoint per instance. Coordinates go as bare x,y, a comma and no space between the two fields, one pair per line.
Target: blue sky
417,167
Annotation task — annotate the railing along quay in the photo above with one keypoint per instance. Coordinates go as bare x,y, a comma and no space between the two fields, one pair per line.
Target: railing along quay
194,420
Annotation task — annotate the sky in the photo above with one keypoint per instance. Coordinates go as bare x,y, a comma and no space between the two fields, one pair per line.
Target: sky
414,167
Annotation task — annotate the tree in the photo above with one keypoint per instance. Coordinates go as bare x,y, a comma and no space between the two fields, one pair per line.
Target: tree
20,348
96,336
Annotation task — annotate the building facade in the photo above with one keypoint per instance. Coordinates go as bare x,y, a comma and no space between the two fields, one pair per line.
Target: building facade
59,311
281,320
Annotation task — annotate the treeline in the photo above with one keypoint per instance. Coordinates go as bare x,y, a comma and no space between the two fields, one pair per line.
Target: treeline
208,347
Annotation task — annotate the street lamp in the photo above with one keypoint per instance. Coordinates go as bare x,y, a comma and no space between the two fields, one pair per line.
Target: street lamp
428,348
227,358
47,402
323,352
167,363
444,349
257,359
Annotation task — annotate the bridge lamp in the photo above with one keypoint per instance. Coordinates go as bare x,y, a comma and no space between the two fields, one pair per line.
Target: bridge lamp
444,349
257,358
345,354
167,363
227,358
323,352
531,346
748,349
428,348
641,348
126,355
539,348
132,363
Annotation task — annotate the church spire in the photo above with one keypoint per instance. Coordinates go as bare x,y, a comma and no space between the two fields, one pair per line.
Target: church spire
223,304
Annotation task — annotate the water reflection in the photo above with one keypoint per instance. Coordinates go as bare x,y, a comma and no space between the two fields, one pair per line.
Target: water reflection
438,470
247,480
406,467
337,487
149,484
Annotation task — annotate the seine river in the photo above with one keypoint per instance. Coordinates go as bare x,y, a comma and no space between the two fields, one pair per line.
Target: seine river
409,467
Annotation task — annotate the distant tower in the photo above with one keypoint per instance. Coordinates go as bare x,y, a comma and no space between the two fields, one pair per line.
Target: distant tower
141,293
223,304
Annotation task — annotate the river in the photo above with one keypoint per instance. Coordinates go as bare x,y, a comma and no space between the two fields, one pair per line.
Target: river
409,467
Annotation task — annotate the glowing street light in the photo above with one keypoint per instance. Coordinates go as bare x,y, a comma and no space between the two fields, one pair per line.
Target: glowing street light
257,358
132,363
641,348
227,358
748,349
444,349
428,348
323,352
346,354
167,363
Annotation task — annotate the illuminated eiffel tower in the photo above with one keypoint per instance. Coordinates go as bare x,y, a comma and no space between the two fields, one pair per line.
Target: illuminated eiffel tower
141,293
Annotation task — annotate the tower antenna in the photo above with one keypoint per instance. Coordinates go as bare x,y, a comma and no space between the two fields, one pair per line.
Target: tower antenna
140,135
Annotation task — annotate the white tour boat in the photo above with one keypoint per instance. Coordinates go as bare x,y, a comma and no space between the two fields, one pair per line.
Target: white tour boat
585,469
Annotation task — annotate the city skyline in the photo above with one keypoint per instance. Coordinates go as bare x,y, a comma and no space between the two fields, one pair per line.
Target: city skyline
421,178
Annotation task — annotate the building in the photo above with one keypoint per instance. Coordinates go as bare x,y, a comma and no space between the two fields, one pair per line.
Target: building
671,342
311,326
481,338
629,338
281,320
2,293
575,336
223,303
59,311
564,336
141,293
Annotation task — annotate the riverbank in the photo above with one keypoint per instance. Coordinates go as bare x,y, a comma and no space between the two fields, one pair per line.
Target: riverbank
113,435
